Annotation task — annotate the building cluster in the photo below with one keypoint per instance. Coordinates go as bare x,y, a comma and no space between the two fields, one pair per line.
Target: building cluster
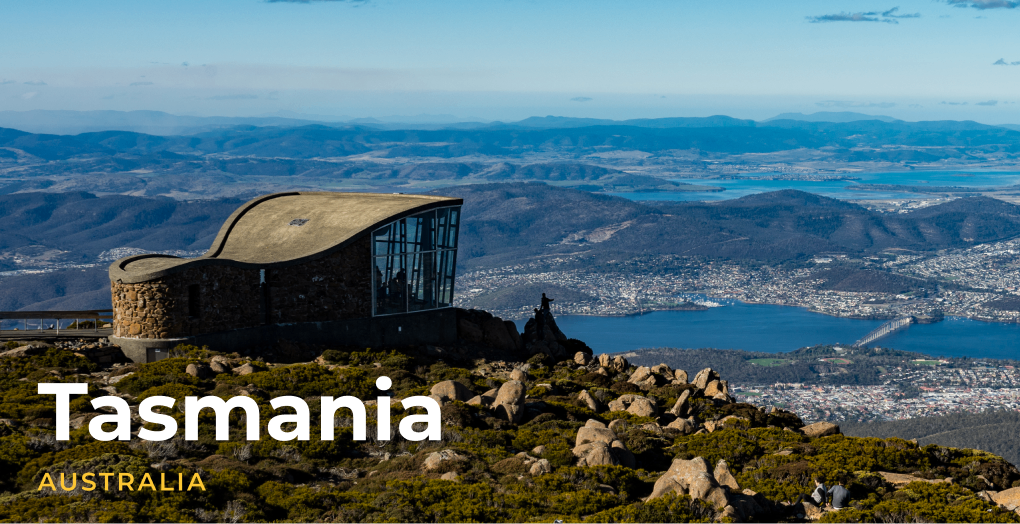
918,390
982,274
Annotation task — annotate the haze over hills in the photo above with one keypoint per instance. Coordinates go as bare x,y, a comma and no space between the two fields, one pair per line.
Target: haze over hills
832,116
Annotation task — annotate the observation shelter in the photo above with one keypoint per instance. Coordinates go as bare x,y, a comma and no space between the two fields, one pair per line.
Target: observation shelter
328,268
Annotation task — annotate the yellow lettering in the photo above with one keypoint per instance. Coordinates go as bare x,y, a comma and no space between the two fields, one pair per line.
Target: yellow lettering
180,482
162,483
74,482
106,477
196,480
47,481
121,483
85,479
146,481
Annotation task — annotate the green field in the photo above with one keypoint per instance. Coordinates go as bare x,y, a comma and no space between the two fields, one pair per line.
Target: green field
771,362
837,360
925,362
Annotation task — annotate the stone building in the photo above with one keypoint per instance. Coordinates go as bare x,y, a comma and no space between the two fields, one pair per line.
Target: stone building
339,268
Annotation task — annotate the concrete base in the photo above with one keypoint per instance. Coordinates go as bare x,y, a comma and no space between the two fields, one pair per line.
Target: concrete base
437,327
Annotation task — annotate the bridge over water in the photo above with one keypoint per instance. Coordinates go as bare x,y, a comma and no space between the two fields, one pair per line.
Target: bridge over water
884,330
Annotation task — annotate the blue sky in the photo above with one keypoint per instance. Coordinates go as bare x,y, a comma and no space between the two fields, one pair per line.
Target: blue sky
509,59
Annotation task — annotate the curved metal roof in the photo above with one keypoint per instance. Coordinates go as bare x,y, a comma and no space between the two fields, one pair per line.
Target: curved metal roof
284,229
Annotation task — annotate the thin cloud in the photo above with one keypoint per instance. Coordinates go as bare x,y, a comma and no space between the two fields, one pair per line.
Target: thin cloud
34,83
581,99
892,14
988,103
852,104
1003,61
7,82
29,95
985,4
233,97
140,84
889,16
952,103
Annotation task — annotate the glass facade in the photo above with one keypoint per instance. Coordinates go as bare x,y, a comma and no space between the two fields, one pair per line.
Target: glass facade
414,262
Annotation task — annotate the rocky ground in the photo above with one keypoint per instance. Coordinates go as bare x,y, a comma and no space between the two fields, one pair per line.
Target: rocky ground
535,428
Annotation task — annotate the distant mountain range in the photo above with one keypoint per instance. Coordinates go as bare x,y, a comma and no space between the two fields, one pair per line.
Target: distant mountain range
165,124
318,141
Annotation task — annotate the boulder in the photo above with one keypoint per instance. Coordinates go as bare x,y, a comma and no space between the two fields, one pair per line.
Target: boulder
678,477
594,434
479,400
703,377
681,407
820,429
519,375
605,360
540,467
113,380
649,383
469,331
663,369
622,454
713,388
539,450
509,403
693,478
511,329
652,427
582,359
642,407
588,400
246,369
636,404
451,390
683,425
899,480
618,425
1009,499
598,454
22,351
620,363
724,477
680,376
640,374
449,475
494,334
438,457
218,367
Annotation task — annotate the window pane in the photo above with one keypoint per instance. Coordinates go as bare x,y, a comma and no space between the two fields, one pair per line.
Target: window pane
390,281
448,227
421,231
387,240
422,285
447,264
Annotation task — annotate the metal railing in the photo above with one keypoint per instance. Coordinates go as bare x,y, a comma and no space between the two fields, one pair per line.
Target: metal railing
56,323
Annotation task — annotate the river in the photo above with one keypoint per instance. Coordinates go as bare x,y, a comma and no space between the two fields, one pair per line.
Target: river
773,329
745,185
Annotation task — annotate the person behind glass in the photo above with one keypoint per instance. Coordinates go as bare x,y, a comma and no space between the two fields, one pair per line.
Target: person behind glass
818,496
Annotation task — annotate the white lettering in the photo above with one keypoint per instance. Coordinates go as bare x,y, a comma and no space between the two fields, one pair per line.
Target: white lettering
63,393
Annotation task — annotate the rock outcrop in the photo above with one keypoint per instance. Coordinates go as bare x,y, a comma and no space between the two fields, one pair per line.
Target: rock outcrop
719,488
451,390
597,445
509,402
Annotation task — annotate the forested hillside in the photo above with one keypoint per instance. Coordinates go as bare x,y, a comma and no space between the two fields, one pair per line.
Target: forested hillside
996,432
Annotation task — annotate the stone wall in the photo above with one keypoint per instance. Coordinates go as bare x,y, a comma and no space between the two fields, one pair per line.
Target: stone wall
332,288
228,298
